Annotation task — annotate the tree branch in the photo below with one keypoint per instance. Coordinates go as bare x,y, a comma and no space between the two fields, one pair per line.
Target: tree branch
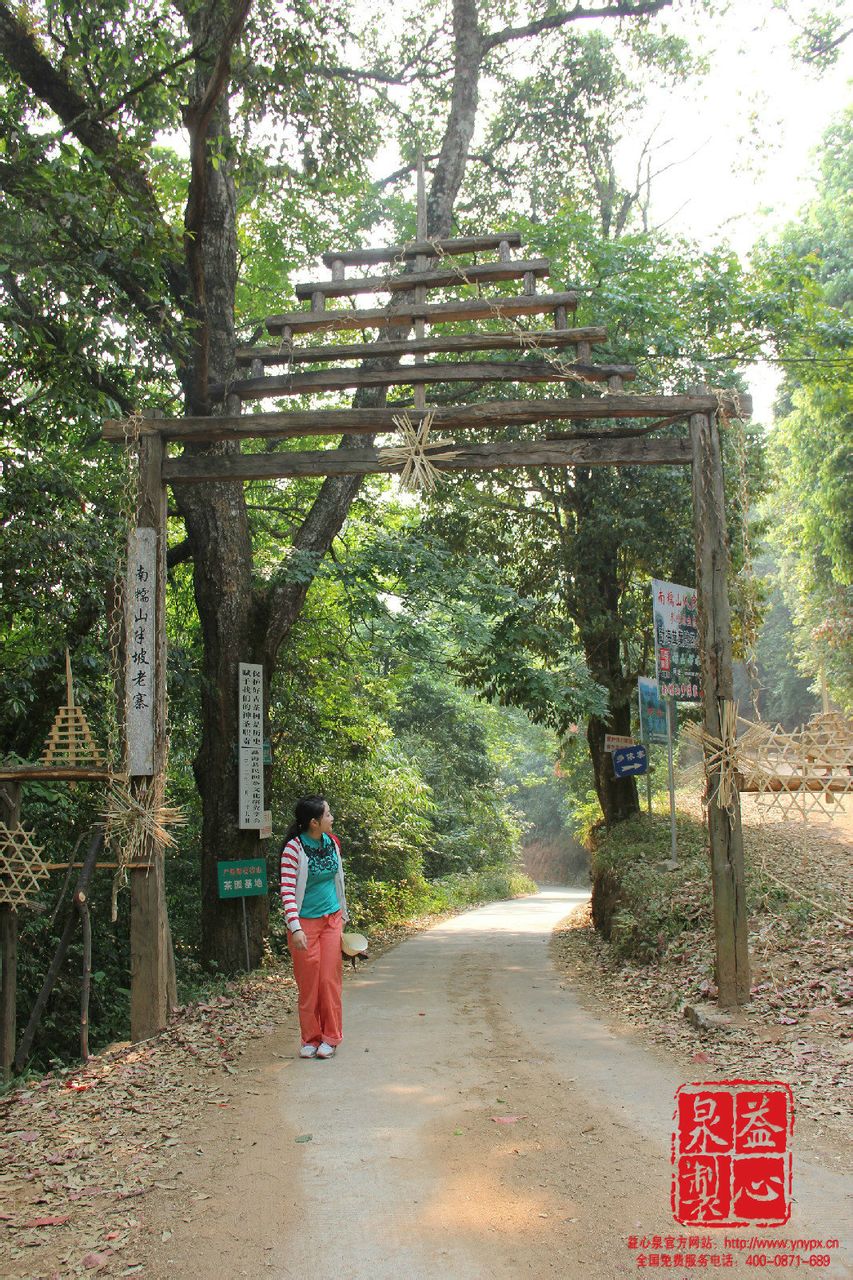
616,9
52,87
76,238
134,92
360,76
179,553
197,118
29,317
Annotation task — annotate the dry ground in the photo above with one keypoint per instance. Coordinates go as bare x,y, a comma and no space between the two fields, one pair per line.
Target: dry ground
100,1166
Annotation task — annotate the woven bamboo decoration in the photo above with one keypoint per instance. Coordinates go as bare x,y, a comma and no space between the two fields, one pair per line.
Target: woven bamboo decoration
21,866
809,770
70,740
804,772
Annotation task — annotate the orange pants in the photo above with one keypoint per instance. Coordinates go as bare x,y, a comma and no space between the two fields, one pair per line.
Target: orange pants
319,977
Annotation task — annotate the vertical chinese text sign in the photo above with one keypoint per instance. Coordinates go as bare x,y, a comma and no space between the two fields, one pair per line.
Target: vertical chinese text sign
250,782
140,664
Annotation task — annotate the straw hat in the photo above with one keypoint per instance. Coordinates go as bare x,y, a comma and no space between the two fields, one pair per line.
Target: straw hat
354,944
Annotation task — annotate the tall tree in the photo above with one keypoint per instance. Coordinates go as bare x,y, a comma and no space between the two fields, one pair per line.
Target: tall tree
803,299
585,544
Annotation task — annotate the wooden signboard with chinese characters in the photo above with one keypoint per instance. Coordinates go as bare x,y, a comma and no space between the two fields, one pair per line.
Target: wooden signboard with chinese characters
251,746
141,642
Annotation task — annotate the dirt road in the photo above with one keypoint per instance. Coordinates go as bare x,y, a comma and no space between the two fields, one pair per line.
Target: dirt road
476,1122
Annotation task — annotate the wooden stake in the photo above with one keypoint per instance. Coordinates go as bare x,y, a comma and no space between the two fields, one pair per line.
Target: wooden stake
715,639
96,844
420,267
69,680
81,902
10,811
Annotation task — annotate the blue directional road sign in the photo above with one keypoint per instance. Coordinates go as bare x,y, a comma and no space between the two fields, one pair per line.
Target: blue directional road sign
630,760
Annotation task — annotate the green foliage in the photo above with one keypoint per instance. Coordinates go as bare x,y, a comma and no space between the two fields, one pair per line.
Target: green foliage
804,281
821,30
654,910
382,904
785,696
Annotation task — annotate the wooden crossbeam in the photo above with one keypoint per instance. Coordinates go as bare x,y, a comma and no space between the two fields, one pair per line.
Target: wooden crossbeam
406,312
298,384
422,248
521,340
581,452
488,413
482,273
54,773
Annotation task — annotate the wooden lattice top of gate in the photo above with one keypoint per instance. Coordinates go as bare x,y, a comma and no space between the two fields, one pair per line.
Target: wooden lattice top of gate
411,326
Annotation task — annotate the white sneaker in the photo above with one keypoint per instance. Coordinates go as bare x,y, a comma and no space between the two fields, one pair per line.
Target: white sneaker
325,1050
309,1051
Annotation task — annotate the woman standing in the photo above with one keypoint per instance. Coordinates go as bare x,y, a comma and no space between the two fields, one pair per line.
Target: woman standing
312,892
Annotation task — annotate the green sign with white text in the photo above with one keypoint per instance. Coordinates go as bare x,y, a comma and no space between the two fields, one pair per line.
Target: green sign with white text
244,879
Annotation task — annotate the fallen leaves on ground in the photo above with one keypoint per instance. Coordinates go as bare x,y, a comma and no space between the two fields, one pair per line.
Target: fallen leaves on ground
796,1026
83,1148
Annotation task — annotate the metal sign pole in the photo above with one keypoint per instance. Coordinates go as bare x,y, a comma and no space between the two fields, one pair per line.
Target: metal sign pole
246,936
648,746
669,706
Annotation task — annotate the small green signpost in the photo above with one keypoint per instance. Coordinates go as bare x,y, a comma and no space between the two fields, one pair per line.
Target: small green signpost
242,878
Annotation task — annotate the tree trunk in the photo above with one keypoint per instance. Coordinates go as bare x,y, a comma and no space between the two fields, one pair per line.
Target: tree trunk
218,532
597,615
617,796
239,624
468,54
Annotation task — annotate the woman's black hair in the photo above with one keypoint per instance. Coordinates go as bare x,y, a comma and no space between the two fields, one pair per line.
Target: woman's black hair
303,811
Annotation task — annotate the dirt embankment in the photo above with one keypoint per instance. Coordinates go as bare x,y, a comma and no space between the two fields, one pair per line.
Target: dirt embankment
797,1026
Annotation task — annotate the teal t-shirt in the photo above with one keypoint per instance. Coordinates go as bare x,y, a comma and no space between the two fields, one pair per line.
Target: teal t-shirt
321,895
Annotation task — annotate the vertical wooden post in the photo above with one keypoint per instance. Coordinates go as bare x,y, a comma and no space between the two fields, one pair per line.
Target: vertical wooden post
421,264
715,641
150,941
10,811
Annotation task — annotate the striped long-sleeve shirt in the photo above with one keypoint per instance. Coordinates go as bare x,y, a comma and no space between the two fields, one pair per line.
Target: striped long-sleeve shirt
294,877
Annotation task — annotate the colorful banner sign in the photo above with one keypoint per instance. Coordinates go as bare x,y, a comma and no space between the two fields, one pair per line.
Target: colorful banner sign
676,641
652,711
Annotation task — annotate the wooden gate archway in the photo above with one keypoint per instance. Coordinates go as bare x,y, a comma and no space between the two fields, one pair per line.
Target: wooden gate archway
411,273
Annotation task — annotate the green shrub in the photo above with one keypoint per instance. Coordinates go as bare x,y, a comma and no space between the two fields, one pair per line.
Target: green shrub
642,907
